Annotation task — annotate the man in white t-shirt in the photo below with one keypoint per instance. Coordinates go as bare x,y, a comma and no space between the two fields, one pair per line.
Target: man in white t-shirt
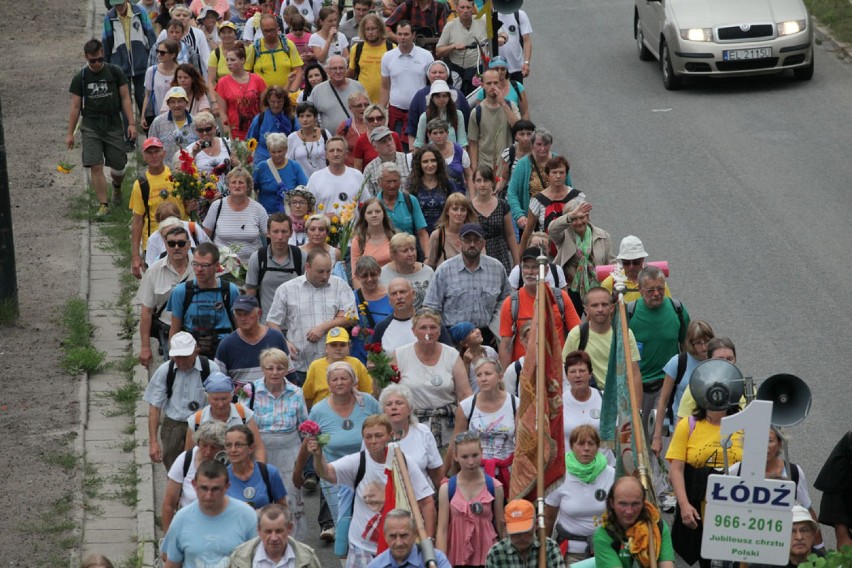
517,48
366,512
337,183
396,330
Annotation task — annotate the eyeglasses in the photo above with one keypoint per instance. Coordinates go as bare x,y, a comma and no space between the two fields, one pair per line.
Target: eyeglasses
697,342
375,119
162,52
360,105
634,262
204,265
336,68
274,368
95,60
229,445
657,290
205,130
178,244
467,436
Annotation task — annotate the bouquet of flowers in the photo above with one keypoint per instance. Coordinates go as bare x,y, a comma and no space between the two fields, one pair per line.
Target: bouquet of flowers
362,332
381,369
309,428
243,152
246,392
191,184
65,166
230,263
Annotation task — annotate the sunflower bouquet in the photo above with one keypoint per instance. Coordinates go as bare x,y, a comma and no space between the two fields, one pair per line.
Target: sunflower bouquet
243,151
191,184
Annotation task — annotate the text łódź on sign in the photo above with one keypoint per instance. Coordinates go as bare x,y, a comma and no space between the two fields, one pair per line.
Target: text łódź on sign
749,518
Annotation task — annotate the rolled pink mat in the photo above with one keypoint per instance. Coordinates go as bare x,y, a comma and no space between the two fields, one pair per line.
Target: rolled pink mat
605,270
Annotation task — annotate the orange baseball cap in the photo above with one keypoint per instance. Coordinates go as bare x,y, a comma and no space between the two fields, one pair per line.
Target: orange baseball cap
520,516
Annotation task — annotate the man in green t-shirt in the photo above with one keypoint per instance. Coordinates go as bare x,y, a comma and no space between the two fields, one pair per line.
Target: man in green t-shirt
99,92
628,515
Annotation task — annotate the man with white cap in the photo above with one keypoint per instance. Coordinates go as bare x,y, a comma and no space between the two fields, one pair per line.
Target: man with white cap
174,128
521,547
631,258
174,392
805,530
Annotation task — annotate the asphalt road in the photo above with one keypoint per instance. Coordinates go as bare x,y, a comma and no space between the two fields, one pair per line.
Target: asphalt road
741,184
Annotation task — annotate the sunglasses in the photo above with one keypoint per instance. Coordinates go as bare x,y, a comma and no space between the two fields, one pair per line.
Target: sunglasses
202,264
178,244
635,262
467,436
161,52
375,119
205,130
95,60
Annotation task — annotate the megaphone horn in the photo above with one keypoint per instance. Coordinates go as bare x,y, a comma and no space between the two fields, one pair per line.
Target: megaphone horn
791,398
507,6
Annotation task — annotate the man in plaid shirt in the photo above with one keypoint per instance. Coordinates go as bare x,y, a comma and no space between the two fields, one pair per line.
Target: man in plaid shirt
423,15
520,549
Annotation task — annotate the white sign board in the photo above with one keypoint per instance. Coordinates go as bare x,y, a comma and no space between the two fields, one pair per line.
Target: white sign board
749,518
748,521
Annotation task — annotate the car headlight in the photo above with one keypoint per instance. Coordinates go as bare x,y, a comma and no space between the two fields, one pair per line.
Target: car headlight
791,27
697,34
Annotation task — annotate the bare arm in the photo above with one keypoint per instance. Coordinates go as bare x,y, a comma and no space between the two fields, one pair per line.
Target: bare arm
154,450
436,474
443,519
384,93
189,443
135,244
461,380
504,352
223,117
170,564
688,514
175,327
473,150
529,228
662,403
523,106
550,514
73,117
145,108
171,500
461,425
525,68
296,79
301,460
124,91
509,232
427,509
324,469
145,319
499,493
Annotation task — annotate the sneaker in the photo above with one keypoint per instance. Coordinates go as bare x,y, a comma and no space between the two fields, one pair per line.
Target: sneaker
310,483
327,534
116,195
103,210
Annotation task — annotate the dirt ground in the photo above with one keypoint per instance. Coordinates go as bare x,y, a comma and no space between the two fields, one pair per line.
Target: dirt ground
40,49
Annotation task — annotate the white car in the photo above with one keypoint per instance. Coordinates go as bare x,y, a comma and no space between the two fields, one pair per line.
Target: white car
724,37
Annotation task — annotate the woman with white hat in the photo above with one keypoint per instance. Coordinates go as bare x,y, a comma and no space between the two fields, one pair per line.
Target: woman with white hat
441,103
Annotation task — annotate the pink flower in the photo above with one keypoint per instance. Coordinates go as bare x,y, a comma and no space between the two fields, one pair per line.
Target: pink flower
247,389
356,330
309,427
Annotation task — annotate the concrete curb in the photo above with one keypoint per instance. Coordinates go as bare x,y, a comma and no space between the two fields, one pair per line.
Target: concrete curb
823,33
146,511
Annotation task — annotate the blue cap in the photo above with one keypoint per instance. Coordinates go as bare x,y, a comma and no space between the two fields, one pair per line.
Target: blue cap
218,382
498,61
245,303
460,331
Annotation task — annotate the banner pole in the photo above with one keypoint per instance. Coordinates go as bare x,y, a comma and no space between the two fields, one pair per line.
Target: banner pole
540,407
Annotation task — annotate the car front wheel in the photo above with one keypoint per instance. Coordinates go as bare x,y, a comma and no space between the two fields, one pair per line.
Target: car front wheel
644,52
804,73
671,81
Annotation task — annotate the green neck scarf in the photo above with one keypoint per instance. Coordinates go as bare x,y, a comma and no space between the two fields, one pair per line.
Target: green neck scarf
583,279
587,473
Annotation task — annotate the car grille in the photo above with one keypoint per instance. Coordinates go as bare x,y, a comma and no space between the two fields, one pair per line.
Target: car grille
747,64
756,31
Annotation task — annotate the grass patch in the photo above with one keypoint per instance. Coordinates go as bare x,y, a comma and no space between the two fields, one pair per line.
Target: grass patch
8,311
80,355
55,521
125,482
128,445
66,460
125,398
836,14
92,482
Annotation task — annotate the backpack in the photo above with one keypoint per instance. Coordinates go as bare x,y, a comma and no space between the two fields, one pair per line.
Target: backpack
295,254
359,48
514,305
489,484
678,308
283,46
553,271
170,376
473,408
224,289
241,410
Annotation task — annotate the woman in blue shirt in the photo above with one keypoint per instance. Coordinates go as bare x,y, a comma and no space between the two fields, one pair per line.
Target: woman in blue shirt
247,480
277,116
277,175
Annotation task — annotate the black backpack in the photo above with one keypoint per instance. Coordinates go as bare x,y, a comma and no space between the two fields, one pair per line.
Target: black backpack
262,260
678,307
170,376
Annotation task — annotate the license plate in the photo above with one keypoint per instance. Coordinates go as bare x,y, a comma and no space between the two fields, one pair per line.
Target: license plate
740,54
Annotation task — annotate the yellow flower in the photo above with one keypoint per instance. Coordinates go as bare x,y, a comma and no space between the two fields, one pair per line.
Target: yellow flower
333,230
214,179
336,205
335,219
321,207
251,144
63,170
305,216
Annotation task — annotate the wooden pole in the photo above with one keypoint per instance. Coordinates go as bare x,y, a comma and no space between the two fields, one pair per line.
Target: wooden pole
427,550
540,407
636,426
